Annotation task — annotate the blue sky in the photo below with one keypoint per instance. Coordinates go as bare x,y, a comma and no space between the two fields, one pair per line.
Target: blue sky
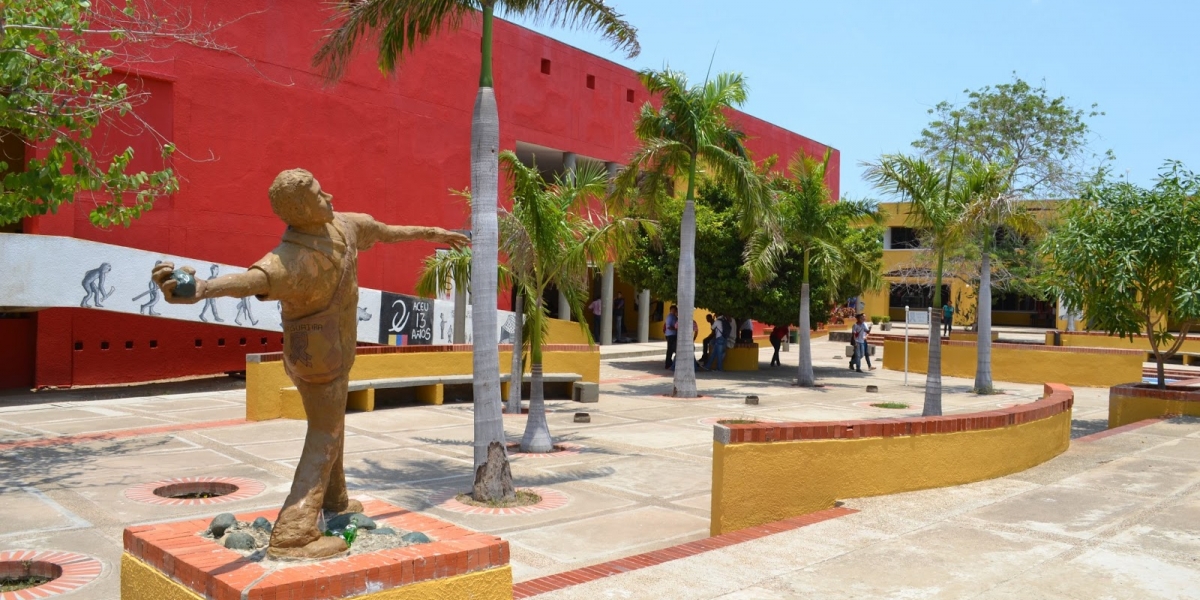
859,76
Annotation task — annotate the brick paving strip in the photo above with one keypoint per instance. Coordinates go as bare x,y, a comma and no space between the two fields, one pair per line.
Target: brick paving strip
1099,435
118,434
558,581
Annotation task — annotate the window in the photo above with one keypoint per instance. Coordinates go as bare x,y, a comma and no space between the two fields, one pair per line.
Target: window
905,238
914,296
545,66
591,82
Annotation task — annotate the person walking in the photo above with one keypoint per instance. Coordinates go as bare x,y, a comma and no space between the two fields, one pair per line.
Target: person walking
777,335
671,331
861,330
597,308
947,318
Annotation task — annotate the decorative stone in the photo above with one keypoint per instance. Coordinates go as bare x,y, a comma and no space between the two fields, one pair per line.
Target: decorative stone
342,521
583,418
240,540
872,388
384,531
262,523
221,523
416,537
751,399
185,284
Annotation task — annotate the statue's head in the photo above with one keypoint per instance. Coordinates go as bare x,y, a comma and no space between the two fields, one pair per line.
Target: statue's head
298,199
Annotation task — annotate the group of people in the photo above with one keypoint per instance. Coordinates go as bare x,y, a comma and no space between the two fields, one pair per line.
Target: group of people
597,308
723,335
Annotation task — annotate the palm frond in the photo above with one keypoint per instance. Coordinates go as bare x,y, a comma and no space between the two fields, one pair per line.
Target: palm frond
396,27
587,15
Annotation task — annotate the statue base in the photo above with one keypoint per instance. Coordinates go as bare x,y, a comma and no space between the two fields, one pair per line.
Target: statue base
171,561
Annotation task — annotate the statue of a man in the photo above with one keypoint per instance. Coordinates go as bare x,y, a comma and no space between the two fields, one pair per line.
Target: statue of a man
313,274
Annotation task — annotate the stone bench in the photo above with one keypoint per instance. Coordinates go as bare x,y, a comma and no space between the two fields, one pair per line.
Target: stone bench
430,389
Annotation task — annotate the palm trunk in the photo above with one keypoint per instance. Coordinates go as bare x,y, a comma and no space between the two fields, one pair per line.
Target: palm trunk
933,377
514,380
983,319
537,430
805,377
685,349
492,481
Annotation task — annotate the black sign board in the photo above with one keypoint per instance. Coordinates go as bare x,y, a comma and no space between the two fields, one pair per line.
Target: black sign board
405,320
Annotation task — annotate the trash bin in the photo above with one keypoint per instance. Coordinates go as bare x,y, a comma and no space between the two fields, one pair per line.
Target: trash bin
794,336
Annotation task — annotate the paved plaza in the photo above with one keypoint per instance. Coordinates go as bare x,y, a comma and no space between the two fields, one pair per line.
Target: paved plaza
1117,517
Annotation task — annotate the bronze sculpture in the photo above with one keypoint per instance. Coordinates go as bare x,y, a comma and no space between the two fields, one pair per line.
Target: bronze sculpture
313,273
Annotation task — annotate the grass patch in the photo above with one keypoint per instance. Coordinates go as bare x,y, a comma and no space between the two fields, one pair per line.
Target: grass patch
890,405
12,584
523,498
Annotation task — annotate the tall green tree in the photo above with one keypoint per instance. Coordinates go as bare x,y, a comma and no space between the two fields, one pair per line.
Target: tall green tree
809,221
1130,257
934,210
58,89
1041,141
988,211
688,136
397,27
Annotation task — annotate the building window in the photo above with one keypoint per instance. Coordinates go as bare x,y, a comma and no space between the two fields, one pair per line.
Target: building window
545,66
914,296
904,238
591,82
629,95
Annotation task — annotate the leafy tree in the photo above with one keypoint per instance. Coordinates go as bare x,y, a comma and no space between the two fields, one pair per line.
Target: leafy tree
690,134
1042,141
399,26
57,88
937,212
810,224
722,279
1130,256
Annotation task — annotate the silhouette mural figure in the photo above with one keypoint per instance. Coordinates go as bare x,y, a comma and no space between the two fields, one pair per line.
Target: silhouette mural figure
152,292
211,303
93,286
313,274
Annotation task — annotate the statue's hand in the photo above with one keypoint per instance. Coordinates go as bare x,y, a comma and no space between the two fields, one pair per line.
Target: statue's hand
161,275
454,239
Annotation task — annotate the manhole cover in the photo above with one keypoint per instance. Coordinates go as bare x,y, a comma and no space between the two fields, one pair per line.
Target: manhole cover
188,491
42,574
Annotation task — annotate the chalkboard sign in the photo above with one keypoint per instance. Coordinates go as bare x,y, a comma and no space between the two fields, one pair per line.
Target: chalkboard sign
405,320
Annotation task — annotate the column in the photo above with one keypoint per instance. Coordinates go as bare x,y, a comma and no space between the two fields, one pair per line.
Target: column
606,305
644,316
460,314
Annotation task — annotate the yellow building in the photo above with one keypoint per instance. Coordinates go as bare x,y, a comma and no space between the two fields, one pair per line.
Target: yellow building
908,273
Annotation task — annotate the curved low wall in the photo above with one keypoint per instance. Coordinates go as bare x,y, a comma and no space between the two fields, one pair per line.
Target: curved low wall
1130,403
1102,339
266,379
766,472
1023,363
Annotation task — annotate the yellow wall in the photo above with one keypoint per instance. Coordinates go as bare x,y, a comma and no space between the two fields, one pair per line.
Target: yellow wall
1020,365
265,382
140,581
565,332
1124,409
757,483
1192,344
656,327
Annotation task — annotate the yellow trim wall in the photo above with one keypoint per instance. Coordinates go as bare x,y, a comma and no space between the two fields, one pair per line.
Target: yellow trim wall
757,483
1083,340
1022,364
140,581
266,382
1127,404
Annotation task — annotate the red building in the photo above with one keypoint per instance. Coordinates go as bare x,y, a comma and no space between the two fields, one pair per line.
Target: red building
390,147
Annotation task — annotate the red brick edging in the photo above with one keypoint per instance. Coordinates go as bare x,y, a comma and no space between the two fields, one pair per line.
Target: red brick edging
77,571
177,551
1058,399
550,583
1099,435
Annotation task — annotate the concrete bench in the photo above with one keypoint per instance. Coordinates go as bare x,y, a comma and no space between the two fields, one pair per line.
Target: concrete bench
430,389
1185,358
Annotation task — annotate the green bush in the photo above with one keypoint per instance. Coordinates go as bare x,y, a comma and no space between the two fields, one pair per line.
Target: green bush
887,319
875,319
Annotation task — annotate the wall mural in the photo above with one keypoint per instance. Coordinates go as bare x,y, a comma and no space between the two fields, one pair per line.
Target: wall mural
42,270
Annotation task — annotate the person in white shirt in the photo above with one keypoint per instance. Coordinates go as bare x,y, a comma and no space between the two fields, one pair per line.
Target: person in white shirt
597,308
859,334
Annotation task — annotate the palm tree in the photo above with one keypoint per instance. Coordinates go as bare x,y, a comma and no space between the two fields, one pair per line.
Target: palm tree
809,222
549,237
689,135
982,190
936,212
397,27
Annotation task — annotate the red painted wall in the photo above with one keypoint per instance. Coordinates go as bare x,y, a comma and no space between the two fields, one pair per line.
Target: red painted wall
390,147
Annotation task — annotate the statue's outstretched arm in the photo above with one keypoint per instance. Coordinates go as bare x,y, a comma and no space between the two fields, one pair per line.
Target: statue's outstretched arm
388,234
239,285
